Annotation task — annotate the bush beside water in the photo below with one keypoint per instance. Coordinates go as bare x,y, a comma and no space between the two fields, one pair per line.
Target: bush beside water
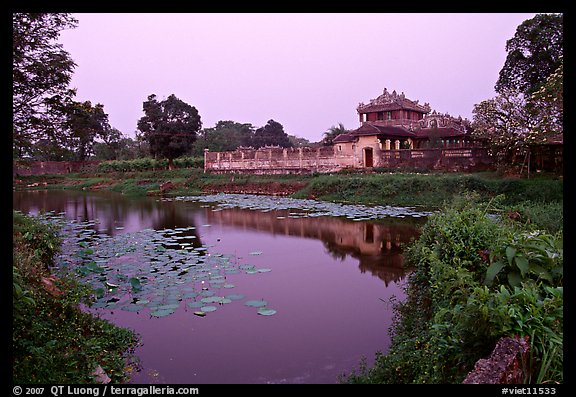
475,278
53,340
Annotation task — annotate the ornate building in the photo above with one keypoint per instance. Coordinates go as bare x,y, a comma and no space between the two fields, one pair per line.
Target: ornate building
393,122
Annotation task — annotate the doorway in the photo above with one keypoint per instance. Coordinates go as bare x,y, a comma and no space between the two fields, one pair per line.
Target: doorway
368,157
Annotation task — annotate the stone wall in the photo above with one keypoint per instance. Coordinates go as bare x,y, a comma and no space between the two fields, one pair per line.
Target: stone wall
507,364
25,167
272,161
339,157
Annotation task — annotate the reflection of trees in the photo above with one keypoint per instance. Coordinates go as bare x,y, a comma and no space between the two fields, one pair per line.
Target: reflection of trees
110,210
377,246
174,215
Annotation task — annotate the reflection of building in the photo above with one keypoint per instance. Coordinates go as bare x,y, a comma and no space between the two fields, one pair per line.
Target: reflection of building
376,246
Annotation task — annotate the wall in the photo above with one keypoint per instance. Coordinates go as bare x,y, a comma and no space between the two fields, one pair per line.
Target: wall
507,364
272,161
331,159
25,167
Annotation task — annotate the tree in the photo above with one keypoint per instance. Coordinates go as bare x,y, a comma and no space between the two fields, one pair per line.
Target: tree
41,72
86,123
113,145
547,107
169,127
504,123
272,134
297,141
224,136
534,53
332,133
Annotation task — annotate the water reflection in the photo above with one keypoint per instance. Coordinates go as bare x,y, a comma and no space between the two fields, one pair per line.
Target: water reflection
114,212
329,313
377,246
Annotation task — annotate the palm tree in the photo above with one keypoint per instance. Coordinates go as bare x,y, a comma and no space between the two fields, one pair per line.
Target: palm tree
332,133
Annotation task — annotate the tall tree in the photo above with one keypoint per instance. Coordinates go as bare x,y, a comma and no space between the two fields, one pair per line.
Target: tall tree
534,53
41,72
86,123
272,134
169,127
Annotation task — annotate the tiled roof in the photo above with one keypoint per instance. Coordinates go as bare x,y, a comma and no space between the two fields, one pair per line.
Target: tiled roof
392,101
372,129
344,138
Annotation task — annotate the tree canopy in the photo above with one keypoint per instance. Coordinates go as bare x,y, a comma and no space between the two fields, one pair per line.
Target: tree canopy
534,53
86,123
41,72
169,126
272,134
225,135
529,106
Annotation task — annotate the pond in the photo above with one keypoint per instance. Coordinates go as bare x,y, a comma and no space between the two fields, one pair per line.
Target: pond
236,288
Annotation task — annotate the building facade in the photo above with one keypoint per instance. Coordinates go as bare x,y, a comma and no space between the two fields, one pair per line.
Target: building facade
392,122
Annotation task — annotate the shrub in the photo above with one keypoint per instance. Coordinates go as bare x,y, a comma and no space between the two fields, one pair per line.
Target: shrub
459,303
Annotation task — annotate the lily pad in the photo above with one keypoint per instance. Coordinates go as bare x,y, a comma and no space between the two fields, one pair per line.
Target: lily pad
162,312
133,308
264,311
235,297
207,309
256,303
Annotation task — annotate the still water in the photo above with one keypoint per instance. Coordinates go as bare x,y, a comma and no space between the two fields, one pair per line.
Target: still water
221,294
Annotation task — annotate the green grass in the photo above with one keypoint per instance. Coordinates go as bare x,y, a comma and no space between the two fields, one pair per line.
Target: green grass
432,190
53,340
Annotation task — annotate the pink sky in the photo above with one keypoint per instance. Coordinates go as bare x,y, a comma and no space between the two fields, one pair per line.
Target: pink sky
306,71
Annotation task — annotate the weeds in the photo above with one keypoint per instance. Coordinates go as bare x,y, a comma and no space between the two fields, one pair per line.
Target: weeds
53,340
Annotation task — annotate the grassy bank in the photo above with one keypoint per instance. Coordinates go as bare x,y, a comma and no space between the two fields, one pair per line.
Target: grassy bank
475,279
53,341
377,188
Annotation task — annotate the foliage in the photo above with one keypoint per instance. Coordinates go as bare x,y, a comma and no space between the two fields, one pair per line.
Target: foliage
534,255
53,341
169,126
534,53
272,134
147,163
503,122
85,124
432,189
547,107
450,318
117,147
40,239
41,72
224,136
528,108
332,133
